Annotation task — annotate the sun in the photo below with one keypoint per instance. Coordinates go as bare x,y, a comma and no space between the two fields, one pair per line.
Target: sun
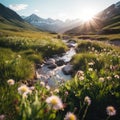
87,14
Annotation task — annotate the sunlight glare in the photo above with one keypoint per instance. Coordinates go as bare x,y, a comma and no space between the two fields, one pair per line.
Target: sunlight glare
87,14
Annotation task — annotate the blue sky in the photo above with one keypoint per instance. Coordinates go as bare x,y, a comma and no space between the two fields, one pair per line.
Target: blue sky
57,9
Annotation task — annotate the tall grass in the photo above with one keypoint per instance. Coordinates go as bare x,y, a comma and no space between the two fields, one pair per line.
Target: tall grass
14,66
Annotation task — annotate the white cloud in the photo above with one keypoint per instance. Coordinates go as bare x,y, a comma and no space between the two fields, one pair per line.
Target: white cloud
37,11
18,7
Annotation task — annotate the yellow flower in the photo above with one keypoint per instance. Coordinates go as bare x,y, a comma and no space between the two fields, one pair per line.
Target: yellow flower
111,111
70,116
11,82
54,102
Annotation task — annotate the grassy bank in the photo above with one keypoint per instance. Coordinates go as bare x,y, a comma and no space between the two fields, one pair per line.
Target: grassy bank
92,94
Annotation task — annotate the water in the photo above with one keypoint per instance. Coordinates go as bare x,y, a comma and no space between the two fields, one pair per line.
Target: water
56,76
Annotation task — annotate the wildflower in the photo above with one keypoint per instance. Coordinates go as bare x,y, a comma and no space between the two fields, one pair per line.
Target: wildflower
32,88
6,61
111,111
90,63
42,83
56,90
93,48
24,90
47,87
109,78
2,117
104,49
101,79
70,116
54,102
90,69
96,51
19,56
87,100
80,73
117,76
11,82
89,47
66,93
81,78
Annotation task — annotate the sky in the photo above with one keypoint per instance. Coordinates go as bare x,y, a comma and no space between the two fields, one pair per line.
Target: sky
58,9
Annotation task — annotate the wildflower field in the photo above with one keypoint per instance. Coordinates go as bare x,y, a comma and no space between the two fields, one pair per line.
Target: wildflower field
92,94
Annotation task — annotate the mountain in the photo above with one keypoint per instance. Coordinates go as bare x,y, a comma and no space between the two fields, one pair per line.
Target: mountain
9,14
10,20
105,22
51,24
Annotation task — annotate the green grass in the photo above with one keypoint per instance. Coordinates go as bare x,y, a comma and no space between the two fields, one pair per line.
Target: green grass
14,66
21,50
111,37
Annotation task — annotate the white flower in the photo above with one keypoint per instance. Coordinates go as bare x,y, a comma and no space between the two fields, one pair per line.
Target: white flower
93,48
80,73
56,90
90,63
70,116
81,78
101,79
117,76
32,88
47,87
111,111
24,90
90,69
19,56
87,100
109,78
11,82
42,83
54,102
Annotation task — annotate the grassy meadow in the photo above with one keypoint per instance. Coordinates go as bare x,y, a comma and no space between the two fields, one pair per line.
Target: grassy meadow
92,94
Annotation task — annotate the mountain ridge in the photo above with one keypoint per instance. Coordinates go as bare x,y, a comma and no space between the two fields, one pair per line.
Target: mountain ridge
101,24
10,20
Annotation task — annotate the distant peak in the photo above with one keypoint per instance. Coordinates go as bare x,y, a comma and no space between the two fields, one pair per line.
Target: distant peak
33,14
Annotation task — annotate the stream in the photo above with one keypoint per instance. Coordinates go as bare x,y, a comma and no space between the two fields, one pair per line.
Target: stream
57,70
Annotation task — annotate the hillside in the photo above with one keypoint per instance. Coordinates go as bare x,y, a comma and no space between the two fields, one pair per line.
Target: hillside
105,22
10,20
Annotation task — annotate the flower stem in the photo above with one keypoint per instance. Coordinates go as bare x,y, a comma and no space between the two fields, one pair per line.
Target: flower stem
108,118
85,113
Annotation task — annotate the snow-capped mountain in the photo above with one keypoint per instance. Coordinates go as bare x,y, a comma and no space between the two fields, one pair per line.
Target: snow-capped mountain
51,24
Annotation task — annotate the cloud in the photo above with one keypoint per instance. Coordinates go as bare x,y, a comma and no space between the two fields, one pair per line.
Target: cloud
18,7
37,11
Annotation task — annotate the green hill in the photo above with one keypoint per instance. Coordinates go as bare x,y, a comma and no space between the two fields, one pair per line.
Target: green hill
10,20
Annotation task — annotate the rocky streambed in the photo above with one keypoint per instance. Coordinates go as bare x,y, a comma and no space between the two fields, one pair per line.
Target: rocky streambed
57,70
